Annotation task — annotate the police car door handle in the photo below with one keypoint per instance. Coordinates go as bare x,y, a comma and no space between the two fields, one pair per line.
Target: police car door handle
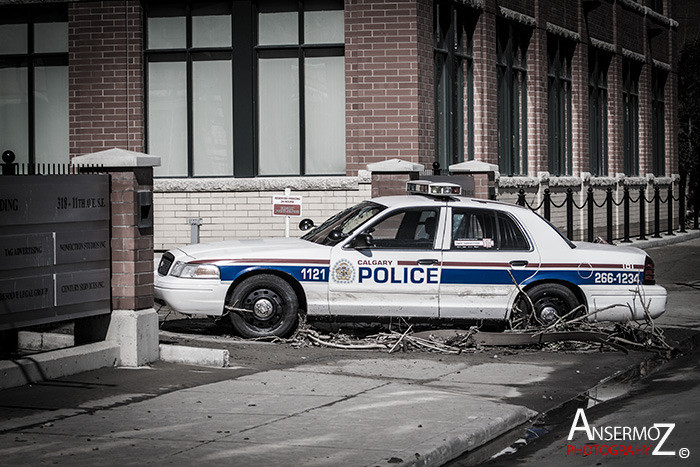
427,262
518,263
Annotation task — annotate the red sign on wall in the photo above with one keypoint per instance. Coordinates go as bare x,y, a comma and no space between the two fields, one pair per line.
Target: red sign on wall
286,206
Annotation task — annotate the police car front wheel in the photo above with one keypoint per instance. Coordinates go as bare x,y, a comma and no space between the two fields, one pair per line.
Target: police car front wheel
270,305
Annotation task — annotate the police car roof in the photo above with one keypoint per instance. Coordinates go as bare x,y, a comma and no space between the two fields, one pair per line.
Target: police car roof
426,200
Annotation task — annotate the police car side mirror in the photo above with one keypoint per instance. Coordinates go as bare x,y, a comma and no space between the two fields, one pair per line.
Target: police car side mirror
362,242
336,235
306,224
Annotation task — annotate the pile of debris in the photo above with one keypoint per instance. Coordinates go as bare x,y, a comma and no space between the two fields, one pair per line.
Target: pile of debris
580,336
572,331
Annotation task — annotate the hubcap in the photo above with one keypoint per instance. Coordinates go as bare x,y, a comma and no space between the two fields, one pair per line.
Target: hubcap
549,314
263,308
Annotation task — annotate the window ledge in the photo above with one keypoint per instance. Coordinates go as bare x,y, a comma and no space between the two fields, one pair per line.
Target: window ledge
518,182
517,17
563,32
476,4
661,65
603,181
335,183
602,45
633,55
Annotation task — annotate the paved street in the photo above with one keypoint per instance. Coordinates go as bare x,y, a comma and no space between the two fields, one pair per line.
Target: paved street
669,396
318,406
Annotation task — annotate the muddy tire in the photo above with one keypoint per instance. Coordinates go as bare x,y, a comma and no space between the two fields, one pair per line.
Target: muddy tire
273,306
551,302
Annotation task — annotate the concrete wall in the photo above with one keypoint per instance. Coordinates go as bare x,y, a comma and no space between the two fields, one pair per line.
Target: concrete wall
242,208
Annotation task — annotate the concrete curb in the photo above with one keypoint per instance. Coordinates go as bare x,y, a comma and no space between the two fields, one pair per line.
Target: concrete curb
194,355
461,443
651,242
57,363
44,340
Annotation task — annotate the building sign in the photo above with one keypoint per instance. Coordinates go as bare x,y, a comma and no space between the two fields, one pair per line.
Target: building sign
286,206
26,251
54,248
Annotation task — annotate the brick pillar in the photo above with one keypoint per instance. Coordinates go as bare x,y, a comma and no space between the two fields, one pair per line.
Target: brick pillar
671,105
390,177
132,248
105,85
537,101
485,87
616,117
133,322
483,174
381,80
645,155
426,90
580,111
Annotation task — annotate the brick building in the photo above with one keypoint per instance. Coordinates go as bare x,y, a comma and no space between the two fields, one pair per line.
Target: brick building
242,99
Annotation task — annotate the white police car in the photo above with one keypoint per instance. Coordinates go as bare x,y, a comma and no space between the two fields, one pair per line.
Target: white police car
427,255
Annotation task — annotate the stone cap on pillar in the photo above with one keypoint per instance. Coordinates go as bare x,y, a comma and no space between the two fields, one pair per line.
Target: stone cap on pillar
473,167
116,157
395,166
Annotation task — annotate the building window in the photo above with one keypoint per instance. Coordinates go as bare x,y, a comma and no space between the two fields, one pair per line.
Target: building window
34,83
454,89
301,87
658,6
598,63
658,127
246,88
189,65
630,110
511,49
560,148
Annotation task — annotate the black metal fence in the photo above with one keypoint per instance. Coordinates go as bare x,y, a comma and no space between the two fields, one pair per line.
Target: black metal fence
657,199
8,166
661,196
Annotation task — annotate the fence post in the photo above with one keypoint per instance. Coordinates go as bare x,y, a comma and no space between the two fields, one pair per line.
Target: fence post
642,217
670,210
589,199
681,203
609,214
657,207
569,213
547,203
9,166
626,205
521,197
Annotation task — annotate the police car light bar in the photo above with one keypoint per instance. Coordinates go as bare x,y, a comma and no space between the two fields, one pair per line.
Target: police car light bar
433,188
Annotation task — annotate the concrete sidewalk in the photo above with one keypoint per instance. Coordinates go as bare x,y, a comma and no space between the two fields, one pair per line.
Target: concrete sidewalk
270,418
365,409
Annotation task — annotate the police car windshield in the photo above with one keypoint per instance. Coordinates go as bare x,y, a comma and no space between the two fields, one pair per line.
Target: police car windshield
345,222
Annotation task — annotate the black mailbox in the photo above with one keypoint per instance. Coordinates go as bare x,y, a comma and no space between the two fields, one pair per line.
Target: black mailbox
145,209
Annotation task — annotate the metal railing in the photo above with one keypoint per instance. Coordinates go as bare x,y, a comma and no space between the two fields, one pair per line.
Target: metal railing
8,166
609,203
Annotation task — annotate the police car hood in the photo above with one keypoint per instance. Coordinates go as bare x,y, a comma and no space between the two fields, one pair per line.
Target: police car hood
254,248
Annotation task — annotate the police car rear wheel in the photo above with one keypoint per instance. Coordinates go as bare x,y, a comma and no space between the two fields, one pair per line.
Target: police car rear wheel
272,303
551,301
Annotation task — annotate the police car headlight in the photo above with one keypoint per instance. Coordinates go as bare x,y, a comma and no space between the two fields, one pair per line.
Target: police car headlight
195,271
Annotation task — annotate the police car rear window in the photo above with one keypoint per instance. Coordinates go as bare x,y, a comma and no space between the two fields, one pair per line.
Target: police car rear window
483,229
